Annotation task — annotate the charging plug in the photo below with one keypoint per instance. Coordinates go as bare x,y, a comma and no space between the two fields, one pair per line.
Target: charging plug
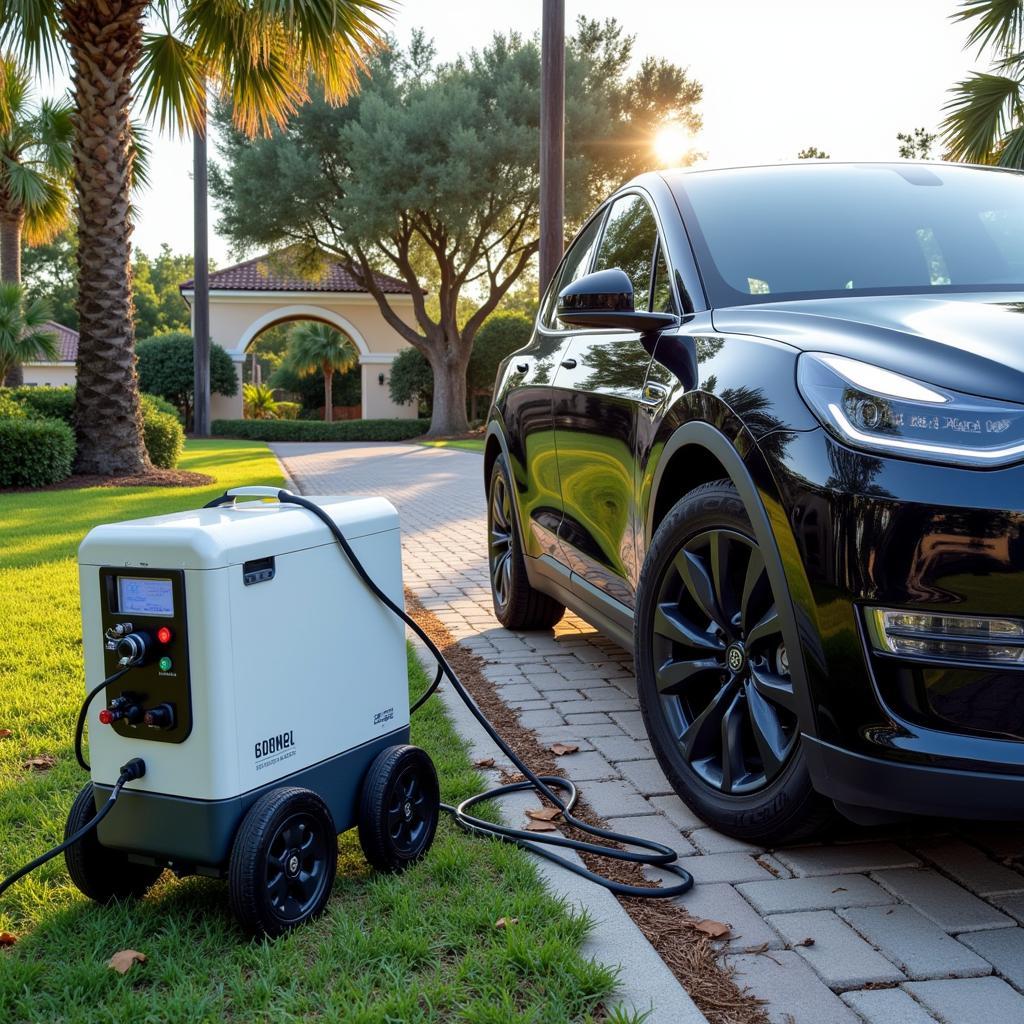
133,770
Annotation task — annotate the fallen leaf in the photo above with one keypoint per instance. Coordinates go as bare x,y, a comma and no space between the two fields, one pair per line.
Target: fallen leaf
541,826
543,813
485,762
504,922
561,749
5,734
42,763
716,929
806,942
758,949
839,888
123,961
7,939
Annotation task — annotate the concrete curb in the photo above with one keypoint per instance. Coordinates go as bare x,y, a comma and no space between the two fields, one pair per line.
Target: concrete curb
645,983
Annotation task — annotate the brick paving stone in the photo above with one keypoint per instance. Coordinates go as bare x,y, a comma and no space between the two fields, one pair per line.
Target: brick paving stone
972,867
721,867
843,858
615,799
518,691
841,958
887,1006
586,765
970,1001
719,901
822,892
775,866
590,705
793,992
535,719
647,776
633,724
1003,949
657,828
709,840
677,812
591,718
528,705
622,748
562,734
1012,905
919,947
949,905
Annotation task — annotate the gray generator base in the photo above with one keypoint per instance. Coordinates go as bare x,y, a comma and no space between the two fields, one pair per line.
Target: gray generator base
191,834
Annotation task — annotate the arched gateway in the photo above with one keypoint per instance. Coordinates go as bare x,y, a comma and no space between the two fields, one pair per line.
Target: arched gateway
250,297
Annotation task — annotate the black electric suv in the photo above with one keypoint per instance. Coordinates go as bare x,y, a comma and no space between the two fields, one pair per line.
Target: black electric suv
769,434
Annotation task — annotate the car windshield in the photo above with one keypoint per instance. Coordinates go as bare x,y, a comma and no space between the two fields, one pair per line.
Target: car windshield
766,234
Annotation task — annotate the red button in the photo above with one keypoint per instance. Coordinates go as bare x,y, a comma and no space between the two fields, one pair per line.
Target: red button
163,634
106,717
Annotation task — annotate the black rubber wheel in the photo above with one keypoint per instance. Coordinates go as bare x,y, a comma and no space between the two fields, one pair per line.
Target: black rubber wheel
517,605
99,873
713,674
399,808
283,861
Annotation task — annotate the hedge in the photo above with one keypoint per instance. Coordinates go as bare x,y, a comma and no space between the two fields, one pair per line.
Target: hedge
311,430
35,452
163,435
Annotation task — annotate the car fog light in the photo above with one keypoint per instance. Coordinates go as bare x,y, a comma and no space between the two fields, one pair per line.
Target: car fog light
977,638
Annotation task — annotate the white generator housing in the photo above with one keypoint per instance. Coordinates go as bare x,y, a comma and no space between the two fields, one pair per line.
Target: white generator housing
269,663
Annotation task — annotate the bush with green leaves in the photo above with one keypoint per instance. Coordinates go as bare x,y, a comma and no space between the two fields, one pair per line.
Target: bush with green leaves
10,407
288,410
347,387
46,403
411,380
318,430
500,335
35,452
166,368
163,434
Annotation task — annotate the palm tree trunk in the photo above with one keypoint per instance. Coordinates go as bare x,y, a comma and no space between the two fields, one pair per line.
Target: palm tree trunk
328,393
105,40
10,271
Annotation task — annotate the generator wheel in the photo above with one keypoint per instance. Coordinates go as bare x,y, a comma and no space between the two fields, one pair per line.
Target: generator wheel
399,808
100,873
283,861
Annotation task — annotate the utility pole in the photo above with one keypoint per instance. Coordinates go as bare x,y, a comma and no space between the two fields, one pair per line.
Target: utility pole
201,296
552,138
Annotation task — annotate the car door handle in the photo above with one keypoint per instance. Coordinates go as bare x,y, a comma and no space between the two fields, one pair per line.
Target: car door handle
569,364
652,396
522,367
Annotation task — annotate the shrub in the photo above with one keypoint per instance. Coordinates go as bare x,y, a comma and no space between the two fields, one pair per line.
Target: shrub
160,404
166,368
35,452
346,387
10,407
411,379
163,435
499,336
317,430
50,403
258,402
288,410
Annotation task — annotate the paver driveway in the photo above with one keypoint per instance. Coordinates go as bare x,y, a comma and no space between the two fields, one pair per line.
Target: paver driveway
918,925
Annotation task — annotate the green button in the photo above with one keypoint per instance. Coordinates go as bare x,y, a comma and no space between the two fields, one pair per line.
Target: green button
165,664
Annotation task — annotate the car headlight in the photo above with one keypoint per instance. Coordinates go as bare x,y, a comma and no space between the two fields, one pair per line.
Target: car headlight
879,410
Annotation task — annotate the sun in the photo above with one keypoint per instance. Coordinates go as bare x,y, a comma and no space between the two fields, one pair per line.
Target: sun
671,144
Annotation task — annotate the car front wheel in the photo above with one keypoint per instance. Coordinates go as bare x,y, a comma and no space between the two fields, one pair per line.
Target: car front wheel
713,674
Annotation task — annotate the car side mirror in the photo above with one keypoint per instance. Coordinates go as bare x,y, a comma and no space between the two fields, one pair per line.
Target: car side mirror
605,299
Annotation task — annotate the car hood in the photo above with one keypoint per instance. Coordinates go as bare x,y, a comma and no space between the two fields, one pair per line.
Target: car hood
972,343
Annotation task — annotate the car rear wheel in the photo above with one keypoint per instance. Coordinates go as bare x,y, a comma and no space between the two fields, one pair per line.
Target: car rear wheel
517,604
713,674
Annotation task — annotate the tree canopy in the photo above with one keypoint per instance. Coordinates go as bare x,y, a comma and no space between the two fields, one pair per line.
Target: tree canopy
430,173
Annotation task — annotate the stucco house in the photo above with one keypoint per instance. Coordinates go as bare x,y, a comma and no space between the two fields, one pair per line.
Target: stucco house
249,297
61,371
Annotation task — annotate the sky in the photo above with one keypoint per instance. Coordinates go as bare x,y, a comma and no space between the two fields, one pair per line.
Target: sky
777,77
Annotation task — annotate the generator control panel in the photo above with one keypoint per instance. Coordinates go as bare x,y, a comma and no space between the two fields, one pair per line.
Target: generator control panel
144,621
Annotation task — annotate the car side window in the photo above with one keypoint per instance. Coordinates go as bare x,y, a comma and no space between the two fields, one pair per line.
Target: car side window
662,299
577,263
628,243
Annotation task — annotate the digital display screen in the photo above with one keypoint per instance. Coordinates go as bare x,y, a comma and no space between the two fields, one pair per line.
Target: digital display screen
136,596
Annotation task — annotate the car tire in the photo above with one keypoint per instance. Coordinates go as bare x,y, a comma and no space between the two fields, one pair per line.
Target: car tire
712,675
100,873
517,605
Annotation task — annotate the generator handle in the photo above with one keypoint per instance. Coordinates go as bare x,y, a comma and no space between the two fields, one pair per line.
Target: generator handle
251,491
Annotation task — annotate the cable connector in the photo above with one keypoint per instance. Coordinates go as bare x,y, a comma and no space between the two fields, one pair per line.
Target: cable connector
133,770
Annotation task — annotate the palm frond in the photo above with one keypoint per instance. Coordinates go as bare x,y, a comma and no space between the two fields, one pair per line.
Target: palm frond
312,344
32,29
1011,152
49,214
140,152
54,129
1000,24
24,335
978,116
172,81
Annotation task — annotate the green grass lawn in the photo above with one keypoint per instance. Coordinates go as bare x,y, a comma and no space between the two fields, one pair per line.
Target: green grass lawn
470,445
418,947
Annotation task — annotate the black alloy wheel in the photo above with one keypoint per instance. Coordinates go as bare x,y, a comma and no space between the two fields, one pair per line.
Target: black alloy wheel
284,861
499,541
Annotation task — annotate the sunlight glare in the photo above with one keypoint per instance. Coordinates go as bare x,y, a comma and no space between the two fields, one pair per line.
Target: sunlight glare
671,144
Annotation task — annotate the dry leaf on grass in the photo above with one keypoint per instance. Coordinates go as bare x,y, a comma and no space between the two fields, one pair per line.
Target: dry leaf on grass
714,929
504,922
485,762
543,813
7,939
541,826
42,763
5,734
125,960
561,749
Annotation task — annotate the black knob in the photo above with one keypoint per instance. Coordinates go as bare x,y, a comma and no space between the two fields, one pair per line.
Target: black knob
160,717
133,648
132,714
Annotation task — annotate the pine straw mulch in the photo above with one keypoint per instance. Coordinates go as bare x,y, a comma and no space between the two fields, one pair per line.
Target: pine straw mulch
691,955
154,478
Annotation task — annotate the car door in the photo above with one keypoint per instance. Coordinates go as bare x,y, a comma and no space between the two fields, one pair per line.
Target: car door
527,411
598,389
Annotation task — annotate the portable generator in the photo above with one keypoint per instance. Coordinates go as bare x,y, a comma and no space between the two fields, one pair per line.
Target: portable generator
266,694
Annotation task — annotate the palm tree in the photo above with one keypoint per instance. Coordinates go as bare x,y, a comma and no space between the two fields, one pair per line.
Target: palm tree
984,120
260,54
258,401
35,170
23,331
317,348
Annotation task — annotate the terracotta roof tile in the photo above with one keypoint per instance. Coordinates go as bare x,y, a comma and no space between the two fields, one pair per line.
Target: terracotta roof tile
259,275
67,341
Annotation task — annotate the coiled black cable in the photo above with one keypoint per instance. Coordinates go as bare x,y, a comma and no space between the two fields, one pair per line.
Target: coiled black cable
656,855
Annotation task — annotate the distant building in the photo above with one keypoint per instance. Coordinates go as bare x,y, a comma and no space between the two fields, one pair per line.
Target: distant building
61,371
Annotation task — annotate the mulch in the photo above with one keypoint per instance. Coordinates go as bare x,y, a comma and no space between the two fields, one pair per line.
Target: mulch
691,955
154,478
